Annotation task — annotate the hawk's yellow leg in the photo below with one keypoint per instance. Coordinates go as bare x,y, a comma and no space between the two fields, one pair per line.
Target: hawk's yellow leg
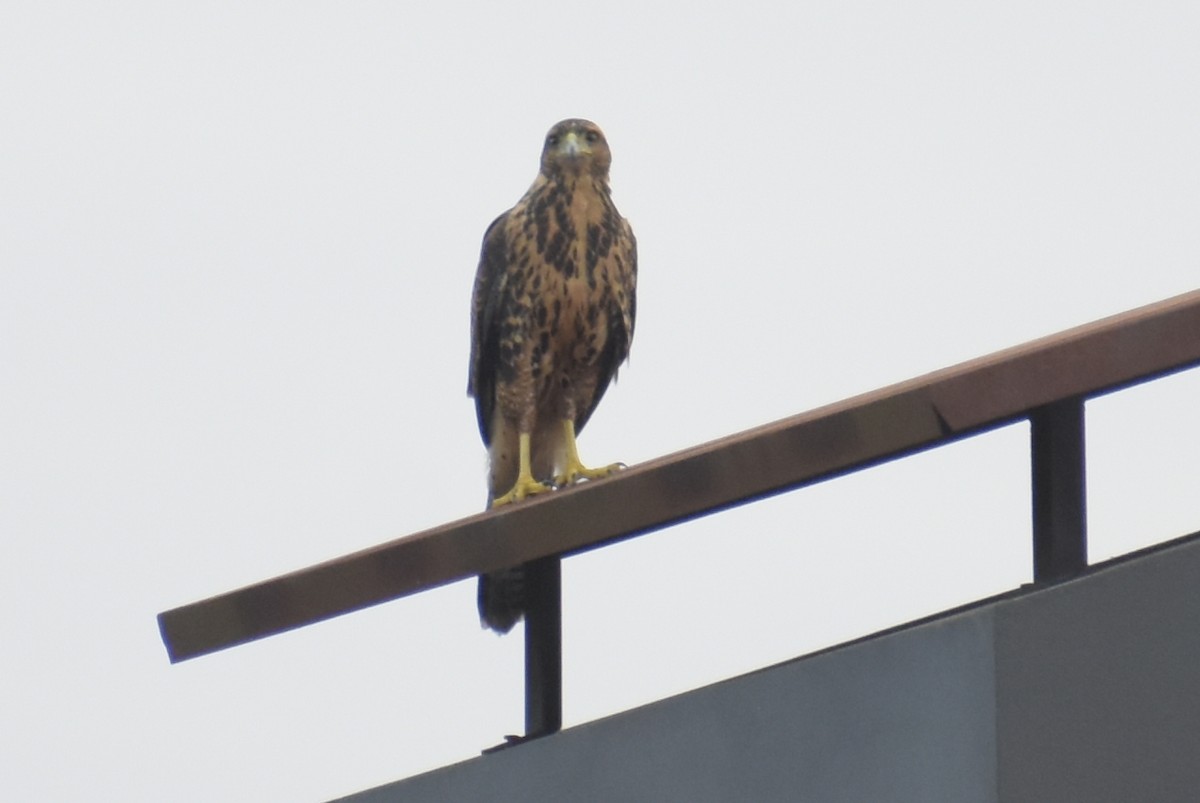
525,485
575,470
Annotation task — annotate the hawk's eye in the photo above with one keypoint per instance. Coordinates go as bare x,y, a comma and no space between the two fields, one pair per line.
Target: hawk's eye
591,136
552,140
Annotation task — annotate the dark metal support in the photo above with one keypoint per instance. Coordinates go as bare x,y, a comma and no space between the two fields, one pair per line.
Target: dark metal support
543,646
1059,490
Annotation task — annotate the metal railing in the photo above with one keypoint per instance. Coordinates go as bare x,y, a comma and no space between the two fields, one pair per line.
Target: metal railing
1046,381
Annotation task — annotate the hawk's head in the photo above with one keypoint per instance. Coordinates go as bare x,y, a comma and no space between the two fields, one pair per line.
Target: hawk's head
576,148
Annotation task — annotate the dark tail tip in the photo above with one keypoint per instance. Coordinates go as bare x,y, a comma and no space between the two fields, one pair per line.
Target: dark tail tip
502,599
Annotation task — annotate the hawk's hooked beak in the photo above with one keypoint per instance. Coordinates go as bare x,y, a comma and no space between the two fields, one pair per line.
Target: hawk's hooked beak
573,146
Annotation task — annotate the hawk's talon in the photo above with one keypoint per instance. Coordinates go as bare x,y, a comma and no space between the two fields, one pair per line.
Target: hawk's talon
575,470
525,486
578,472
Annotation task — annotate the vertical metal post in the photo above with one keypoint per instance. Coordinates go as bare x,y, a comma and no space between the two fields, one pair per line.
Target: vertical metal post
1059,490
543,646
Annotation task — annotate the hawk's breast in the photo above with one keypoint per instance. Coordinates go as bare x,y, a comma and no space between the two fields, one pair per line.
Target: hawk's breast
573,228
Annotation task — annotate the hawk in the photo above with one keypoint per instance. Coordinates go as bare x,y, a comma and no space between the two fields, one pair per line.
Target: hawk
552,319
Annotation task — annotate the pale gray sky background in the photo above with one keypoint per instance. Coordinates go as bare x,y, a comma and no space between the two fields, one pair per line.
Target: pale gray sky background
237,241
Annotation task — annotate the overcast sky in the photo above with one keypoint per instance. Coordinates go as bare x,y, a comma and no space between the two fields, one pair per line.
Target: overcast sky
237,241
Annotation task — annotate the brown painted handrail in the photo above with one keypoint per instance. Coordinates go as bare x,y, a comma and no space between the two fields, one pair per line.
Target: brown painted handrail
946,405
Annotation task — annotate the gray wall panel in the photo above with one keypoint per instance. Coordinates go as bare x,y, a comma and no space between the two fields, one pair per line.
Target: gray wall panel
1086,691
900,718
1099,685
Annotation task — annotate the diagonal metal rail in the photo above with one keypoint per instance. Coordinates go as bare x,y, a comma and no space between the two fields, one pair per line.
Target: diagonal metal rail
1046,380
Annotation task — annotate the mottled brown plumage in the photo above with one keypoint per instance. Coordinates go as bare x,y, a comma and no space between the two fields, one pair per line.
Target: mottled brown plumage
552,320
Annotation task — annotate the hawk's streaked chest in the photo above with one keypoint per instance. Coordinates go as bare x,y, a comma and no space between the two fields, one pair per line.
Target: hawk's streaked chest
564,234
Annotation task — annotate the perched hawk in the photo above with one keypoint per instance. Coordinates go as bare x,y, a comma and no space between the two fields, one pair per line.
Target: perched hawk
552,319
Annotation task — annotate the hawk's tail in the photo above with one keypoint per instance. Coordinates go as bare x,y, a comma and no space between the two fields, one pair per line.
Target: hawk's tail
502,599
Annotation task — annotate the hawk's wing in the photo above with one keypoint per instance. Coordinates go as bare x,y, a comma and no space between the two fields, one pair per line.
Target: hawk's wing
620,323
490,279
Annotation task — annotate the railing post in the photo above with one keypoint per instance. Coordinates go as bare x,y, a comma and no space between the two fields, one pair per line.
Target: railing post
543,646
1059,490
